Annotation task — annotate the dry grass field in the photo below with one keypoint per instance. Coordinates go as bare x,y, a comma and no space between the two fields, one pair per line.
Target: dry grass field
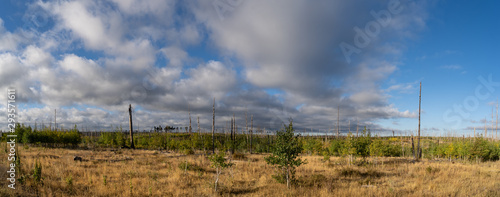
154,173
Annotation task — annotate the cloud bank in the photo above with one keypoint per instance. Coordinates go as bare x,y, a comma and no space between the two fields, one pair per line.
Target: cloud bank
270,59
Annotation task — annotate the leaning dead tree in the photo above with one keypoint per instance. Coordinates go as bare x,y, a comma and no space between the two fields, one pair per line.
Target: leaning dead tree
130,125
419,109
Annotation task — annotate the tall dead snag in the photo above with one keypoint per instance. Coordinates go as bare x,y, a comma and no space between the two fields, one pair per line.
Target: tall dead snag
213,127
349,126
419,109
199,130
338,121
485,130
246,125
231,136
492,123
251,132
235,130
55,119
496,127
412,146
130,125
357,127
326,133
189,120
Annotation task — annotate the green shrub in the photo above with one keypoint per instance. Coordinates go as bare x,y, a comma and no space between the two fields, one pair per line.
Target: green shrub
313,146
362,143
383,148
484,150
335,147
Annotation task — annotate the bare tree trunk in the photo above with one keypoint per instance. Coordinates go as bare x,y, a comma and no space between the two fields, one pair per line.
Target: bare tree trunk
402,147
213,127
496,127
338,121
412,147
190,128
288,178
217,173
246,129
357,127
231,136
130,125
326,133
419,109
55,119
251,133
485,130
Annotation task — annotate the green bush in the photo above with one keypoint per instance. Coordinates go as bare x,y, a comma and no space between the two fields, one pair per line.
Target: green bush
313,146
383,148
71,137
362,145
484,150
335,147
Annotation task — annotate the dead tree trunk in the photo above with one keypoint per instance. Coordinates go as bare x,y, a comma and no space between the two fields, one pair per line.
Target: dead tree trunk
55,119
199,130
496,127
412,147
246,129
357,127
251,132
419,109
213,128
189,120
338,121
231,136
130,125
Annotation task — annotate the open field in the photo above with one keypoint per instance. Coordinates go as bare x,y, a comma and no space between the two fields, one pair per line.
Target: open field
124,172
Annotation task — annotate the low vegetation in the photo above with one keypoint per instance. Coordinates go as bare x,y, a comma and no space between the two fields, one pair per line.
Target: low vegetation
112,172
181,164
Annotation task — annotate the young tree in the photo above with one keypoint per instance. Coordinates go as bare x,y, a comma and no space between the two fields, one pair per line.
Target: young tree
349,148
284,155
219,163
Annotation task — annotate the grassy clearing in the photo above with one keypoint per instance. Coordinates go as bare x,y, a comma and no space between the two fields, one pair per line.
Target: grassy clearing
154,173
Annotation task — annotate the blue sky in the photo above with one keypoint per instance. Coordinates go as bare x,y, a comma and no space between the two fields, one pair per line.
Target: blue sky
272,60
458,46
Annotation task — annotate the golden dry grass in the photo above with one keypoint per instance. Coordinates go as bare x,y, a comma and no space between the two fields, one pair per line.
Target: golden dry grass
153,173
